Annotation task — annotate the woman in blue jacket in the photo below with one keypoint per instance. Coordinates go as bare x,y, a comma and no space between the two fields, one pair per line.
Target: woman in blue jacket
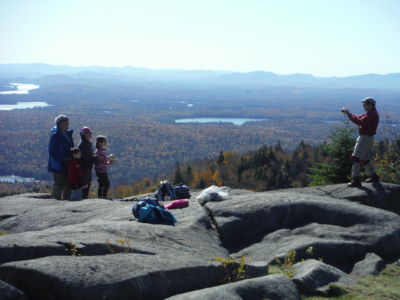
60,146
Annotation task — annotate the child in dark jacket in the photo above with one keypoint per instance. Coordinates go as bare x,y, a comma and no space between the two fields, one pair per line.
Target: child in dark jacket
101,166
87,159
75,175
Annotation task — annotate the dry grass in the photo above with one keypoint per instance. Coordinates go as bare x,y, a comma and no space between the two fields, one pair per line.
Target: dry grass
385,286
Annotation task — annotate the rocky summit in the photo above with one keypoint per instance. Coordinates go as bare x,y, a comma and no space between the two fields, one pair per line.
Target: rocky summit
95,249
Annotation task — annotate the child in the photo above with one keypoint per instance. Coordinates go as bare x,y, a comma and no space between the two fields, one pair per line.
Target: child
101,166
87,159
75,174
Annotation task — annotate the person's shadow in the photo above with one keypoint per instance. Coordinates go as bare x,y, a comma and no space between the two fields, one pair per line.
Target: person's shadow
377,195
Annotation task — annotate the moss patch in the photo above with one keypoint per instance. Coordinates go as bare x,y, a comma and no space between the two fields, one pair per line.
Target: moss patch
384,286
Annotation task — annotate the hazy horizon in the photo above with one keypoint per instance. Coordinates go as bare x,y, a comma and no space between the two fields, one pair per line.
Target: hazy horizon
323,38
182,69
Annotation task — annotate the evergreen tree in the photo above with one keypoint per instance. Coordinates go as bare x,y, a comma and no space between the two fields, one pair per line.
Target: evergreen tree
188,175
221,159
178,178
301,146
278,147
338,168
280,180
295,165
201,184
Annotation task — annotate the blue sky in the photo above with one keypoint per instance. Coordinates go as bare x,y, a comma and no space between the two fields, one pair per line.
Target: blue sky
319,37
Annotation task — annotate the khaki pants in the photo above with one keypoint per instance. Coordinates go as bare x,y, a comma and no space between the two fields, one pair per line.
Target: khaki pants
61,186
363,152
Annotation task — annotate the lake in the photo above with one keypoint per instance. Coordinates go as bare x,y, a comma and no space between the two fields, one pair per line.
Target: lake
22,105
382,123
235,121
14,179
22,89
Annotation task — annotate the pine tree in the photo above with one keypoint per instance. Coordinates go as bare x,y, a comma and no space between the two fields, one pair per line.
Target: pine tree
221,159
278,147
302,145
201,184
188,175
178,178
340,148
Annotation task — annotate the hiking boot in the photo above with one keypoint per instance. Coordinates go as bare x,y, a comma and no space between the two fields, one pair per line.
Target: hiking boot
374,178
355,182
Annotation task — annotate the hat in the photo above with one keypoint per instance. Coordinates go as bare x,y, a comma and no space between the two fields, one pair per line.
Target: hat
60,118
368,99
84,130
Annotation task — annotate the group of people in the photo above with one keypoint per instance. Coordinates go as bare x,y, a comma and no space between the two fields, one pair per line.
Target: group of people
72,166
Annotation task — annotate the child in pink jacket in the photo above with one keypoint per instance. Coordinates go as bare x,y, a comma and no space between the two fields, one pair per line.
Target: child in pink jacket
101,166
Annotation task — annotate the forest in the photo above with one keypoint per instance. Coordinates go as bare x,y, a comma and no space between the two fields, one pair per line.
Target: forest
271,167
139,121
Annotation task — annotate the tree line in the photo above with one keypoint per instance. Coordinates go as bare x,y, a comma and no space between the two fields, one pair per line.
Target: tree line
271,167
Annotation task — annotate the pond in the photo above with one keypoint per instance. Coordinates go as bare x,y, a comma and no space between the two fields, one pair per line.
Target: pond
235,121
22,89
22,105
14,179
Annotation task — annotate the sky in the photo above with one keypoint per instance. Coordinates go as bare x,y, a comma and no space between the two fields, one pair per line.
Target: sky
318,37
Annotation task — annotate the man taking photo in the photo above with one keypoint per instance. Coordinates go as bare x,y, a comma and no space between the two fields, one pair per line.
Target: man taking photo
362,154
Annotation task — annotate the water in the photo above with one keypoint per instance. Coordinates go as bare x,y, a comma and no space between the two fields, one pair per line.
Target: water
22,105
331,121
22,89
14,179
235,121
381,123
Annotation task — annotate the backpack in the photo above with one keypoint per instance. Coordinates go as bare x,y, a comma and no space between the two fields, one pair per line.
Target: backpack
182,191
148,213
152,201
143,202
166,191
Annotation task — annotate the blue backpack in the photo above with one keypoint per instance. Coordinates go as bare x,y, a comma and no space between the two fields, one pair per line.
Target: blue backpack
153,214
152,201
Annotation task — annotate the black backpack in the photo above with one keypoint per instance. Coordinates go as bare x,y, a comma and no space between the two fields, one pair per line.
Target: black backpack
182,191
173,192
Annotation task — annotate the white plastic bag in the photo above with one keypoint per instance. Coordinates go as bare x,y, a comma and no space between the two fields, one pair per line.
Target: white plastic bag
213,193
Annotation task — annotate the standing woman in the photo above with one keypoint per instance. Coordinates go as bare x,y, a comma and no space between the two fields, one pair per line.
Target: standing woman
87,159
60,145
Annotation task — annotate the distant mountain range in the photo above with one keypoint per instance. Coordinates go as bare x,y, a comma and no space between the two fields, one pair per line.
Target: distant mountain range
58,74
